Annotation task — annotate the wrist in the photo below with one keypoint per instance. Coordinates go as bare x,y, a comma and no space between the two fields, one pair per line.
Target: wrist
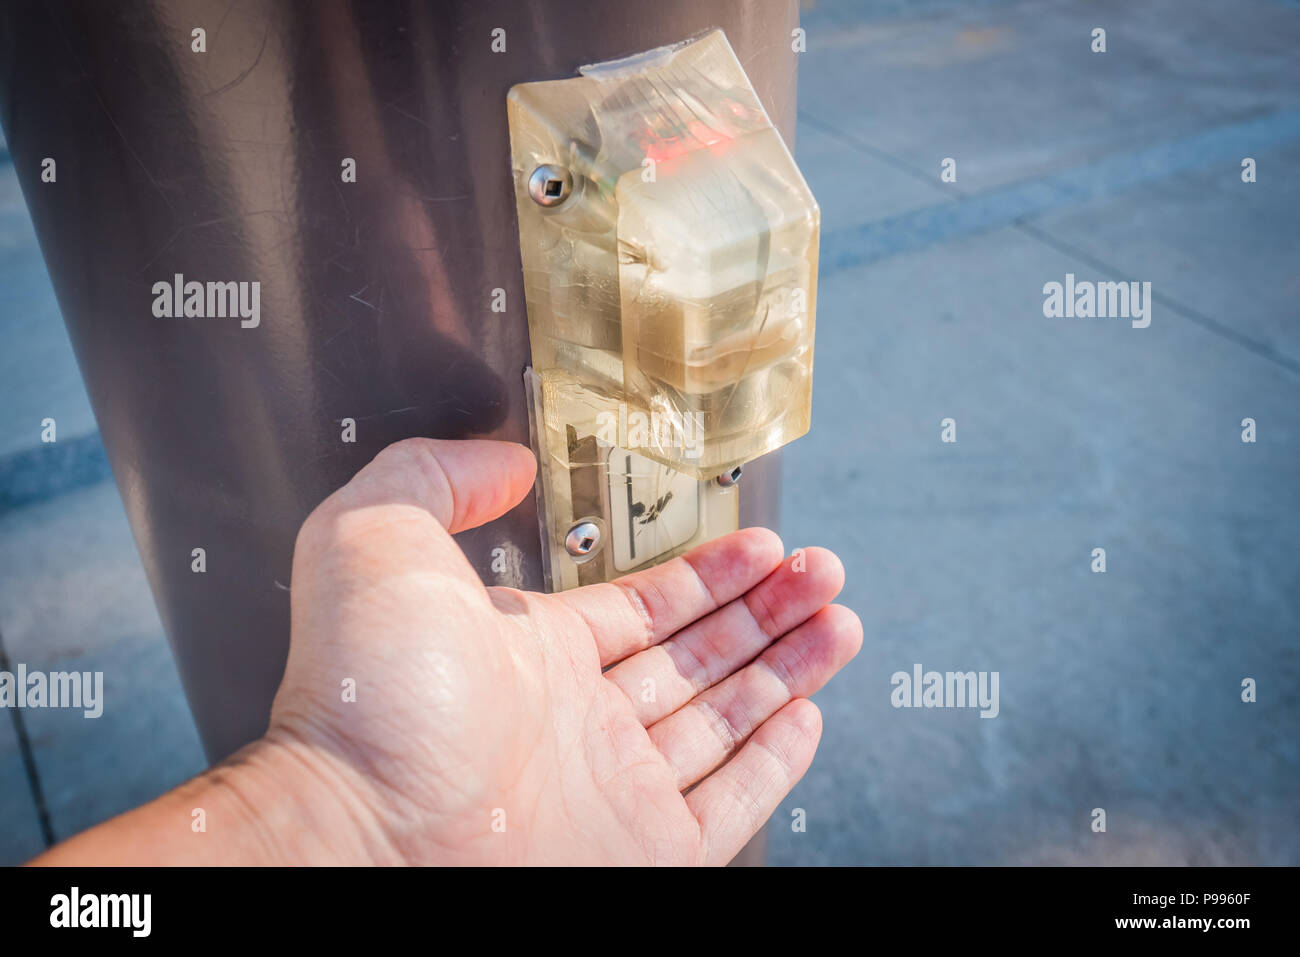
279,801
290,801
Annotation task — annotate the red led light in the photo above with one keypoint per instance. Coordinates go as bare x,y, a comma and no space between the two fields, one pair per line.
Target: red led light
696,136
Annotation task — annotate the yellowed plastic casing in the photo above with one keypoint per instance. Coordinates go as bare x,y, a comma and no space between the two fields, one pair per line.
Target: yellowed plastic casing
670,272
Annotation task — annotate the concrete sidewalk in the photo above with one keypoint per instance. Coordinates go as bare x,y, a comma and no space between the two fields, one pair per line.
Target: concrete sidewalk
1119,691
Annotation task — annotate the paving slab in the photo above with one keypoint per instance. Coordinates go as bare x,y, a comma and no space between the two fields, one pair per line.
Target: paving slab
73,596
1012,91
1118,690
1221,250
20,829
852,185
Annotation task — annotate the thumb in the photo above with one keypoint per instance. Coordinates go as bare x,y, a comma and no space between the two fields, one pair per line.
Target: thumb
462,483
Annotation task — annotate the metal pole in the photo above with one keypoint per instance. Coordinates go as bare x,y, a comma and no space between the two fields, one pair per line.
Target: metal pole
227,163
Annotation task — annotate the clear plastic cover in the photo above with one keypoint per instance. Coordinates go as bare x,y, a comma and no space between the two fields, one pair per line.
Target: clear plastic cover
669,246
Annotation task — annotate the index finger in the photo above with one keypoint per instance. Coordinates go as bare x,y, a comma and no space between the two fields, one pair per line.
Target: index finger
636,611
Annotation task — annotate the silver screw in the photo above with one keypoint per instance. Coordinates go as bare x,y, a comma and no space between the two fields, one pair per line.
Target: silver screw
728,479
582,539
550,185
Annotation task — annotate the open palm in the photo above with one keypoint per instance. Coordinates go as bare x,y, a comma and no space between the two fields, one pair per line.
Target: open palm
657,719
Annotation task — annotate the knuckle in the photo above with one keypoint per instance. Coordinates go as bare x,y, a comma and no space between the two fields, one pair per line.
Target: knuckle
318,527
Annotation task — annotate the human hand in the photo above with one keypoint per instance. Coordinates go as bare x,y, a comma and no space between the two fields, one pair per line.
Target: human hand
479,706
657,719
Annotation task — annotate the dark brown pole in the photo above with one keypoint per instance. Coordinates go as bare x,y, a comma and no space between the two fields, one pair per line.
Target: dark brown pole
226,164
